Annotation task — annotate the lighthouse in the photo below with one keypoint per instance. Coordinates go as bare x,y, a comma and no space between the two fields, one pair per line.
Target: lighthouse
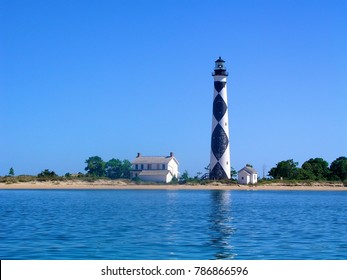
220,148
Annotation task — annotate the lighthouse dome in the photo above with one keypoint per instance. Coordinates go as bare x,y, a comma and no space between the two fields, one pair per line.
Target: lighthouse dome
219,69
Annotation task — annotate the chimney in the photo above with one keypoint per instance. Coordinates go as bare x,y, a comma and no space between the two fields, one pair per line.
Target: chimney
171,154
138,155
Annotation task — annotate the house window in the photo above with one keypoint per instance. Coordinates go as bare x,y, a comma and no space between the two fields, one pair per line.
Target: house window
142,167
163,167
149,166
158,166
136,166
243,178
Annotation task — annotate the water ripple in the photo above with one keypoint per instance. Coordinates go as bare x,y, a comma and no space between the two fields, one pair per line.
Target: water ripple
161,224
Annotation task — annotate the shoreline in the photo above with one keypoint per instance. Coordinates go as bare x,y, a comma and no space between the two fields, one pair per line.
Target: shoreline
120,185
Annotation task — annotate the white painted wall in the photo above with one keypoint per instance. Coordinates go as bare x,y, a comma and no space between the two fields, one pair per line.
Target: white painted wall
243,177
173,168
157,178
254,179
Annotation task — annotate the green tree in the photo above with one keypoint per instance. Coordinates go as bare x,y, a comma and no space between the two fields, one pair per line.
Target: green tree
302,174
95,166
114,168
286,169
11,172
338,168
317,168
126,167
233,173
174,180
47,174
185,175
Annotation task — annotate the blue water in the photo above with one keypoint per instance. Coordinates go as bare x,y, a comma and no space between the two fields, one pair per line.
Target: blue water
159,224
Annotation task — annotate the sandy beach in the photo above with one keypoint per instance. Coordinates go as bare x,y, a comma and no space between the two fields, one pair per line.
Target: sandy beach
120,185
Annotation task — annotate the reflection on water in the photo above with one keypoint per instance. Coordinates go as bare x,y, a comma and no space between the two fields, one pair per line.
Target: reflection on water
156,224
206,231
171,223
220,224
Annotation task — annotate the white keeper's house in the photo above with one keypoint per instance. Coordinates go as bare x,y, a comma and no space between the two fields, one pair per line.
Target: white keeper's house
155,168
247,175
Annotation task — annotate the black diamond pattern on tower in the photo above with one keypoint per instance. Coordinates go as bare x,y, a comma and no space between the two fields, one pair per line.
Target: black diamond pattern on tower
219,107
218,172
219,141
219,85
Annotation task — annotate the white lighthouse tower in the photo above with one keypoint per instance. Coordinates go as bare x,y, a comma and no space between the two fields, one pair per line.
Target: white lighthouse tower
220,148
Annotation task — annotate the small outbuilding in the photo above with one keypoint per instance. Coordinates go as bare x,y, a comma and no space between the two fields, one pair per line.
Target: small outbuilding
247,175
155,168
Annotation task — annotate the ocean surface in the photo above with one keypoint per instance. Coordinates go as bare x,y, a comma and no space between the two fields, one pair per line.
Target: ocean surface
160,224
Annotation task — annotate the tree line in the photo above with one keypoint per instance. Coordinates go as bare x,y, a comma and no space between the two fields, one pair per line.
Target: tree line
96,168
113,169
313,169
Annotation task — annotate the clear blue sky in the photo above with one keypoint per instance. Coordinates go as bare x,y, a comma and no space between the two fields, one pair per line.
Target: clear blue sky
113,78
